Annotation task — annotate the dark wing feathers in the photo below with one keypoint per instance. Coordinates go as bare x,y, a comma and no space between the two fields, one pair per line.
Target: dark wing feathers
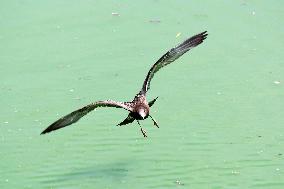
151,103
127,120
78,114
171,56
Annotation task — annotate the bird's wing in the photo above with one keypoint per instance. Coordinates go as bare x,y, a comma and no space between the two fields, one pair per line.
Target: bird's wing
127,120
171,56
76,115
151,103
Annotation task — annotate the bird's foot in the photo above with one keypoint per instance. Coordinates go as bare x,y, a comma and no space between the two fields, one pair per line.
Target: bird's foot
155,122
143,132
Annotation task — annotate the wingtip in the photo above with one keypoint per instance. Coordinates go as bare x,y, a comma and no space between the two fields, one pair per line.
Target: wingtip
47,130
44,132
197,39
203,35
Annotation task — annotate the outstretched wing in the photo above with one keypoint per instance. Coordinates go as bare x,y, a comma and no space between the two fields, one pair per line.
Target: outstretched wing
171,56
76,115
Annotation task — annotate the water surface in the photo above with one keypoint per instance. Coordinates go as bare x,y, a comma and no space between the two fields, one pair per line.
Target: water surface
220,108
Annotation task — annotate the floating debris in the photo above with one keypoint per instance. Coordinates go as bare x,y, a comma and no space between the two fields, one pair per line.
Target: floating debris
85,78
71,90
155,21
178,182
276,82
6,122
201,16
178,34
115,14
235,172
253,12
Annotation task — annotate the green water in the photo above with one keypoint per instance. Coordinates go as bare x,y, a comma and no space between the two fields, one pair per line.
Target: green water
220,109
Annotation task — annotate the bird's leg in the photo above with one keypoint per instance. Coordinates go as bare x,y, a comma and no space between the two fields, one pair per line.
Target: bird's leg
142,130
155,123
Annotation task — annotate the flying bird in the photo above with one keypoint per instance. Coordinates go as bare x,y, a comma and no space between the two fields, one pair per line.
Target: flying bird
138,108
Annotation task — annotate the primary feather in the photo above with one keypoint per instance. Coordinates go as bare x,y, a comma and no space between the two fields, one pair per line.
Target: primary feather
171,56
78,114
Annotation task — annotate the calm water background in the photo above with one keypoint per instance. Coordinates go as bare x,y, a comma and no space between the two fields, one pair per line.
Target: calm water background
221,108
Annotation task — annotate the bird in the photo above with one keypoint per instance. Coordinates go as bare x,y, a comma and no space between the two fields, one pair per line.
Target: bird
139,107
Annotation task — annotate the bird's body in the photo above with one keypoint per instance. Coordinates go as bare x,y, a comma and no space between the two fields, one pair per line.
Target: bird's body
139,108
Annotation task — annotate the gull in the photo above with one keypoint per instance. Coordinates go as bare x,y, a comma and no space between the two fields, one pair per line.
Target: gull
138,108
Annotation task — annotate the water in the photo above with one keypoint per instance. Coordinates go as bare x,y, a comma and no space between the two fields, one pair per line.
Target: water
220,106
